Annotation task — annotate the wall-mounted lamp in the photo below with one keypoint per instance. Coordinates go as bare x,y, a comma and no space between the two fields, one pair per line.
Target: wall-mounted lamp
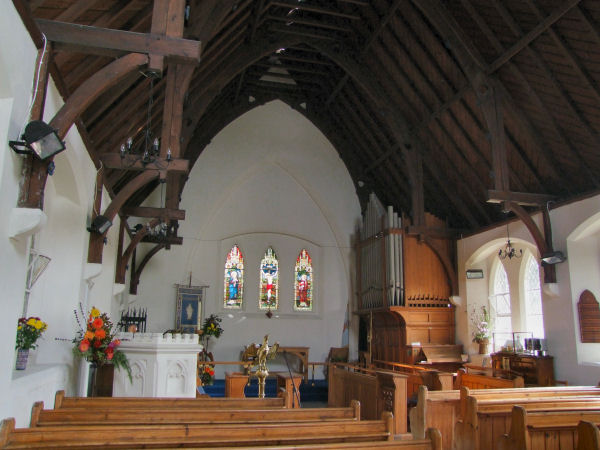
553,258
100,224
40,139
473,274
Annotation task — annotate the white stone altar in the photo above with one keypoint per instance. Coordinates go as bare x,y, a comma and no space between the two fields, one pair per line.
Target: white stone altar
161,366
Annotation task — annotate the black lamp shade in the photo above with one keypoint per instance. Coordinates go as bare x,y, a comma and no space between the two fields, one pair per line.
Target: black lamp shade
100,224
40,139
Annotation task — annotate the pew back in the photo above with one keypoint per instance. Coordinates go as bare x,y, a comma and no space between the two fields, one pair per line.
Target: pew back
165,436
545,429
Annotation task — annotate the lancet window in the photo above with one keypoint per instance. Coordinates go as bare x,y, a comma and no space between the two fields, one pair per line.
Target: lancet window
269,281
234,279
303,282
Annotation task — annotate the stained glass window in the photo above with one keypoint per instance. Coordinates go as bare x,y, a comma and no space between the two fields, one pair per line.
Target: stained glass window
269,281
234,279
303,282
534,317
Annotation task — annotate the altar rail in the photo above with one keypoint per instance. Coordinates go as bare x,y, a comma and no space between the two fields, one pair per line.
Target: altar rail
377,391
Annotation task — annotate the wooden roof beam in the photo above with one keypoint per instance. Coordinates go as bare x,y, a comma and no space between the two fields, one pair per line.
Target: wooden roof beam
108,42
573,59
528,38
135,163
520,198
311,8
136,272
380,26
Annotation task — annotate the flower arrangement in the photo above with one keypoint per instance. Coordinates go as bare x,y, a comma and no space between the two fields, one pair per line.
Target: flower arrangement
212,326
29,331
481,324
95,342
207,373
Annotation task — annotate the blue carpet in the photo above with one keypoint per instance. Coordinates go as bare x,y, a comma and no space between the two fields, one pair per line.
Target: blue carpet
308,392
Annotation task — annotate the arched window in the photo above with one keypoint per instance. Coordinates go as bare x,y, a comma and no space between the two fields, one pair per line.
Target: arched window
501,301
534,318
303,282
234,279
269,281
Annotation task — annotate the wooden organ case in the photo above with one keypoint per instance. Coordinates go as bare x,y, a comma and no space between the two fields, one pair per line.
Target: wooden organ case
404,291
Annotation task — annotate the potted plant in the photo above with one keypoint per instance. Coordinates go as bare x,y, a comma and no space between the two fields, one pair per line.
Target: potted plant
97,344
29,331
481,331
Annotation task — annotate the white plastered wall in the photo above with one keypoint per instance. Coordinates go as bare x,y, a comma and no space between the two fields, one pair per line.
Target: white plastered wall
270,178
575,232
67,204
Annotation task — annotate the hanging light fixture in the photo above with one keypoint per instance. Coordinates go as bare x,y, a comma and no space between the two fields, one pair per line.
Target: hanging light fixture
508,251
151,145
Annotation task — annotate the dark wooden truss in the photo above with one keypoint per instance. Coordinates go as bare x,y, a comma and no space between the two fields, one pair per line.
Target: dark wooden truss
465,109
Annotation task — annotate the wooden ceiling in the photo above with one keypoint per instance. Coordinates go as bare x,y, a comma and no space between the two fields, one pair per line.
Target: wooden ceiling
401,88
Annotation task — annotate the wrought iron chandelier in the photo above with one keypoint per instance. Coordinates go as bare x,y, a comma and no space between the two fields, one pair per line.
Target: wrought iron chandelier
508,251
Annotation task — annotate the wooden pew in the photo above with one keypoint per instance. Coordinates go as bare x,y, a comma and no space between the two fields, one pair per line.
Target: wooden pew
588,436
188,435
442,409
436,409
418,376
545,429
483,420
481,381
147,416
61,401
376,390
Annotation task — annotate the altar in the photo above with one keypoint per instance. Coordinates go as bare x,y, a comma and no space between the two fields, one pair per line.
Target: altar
161,365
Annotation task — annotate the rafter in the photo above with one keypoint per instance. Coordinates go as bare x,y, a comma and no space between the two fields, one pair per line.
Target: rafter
108,42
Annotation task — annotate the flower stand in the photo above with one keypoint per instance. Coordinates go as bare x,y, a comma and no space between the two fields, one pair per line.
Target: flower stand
100,381
22,355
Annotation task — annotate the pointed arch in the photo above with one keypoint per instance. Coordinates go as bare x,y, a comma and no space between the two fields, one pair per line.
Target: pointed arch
234,279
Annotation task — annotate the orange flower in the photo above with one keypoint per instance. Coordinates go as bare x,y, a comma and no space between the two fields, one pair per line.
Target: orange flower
84,345
89,335
97,323
97,343
116,342
109,353
100,334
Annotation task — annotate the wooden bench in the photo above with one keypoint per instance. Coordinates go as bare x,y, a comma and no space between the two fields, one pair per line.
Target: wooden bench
484,419
481,381
546,429
149,416
442,409
418,376
61,401
436,409
376,390
188,435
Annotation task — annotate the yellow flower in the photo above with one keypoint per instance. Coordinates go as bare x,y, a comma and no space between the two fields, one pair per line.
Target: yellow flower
19,327
95,312
38,324
31,322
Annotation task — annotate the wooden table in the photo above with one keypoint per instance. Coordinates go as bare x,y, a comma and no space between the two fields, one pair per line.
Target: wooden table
302,354
288,382
235,382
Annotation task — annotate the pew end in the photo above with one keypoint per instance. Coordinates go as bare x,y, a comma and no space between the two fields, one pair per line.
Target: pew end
588,436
